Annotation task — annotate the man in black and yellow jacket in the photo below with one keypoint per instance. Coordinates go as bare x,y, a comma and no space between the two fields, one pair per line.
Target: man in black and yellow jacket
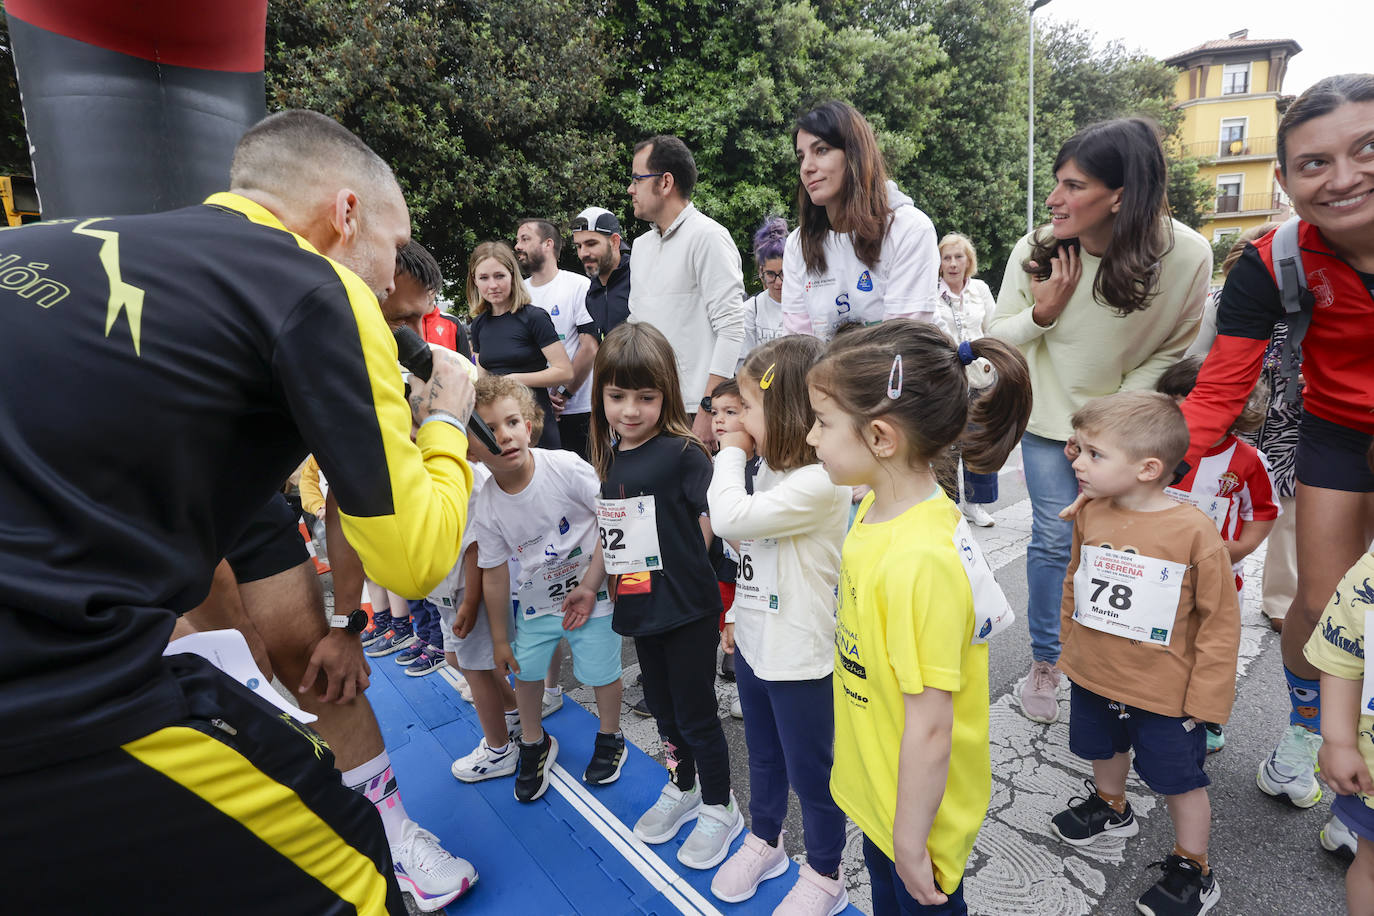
153,395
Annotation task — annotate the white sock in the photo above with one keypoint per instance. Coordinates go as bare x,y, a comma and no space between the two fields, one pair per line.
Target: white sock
376,782
553,691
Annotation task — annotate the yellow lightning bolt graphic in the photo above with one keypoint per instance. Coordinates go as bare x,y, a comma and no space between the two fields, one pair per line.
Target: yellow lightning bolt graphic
122,295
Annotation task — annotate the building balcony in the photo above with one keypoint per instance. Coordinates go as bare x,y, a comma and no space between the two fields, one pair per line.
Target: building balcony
1254,147
1246,204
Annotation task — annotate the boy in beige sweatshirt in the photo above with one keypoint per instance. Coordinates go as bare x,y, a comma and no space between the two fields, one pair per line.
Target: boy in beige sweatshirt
1151,630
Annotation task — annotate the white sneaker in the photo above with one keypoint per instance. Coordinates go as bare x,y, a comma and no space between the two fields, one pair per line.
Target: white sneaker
427,872
673,809
1291,770
977,515
1338,838
513,727
551,703
464,689
736,711
709,842
484,763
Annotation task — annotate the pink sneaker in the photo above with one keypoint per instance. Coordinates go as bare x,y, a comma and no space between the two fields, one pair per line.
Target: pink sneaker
752,864
813,895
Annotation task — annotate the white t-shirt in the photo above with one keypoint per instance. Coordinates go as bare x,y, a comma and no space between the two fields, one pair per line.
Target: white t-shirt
762,323
903,284
446,593
565,299
549,528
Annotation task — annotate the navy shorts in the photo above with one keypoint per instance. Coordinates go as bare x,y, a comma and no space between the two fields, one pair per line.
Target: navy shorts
1332,456
1168,754
1356,815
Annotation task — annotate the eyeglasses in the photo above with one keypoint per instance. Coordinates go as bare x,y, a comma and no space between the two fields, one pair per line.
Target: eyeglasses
636,179
582,224
770,276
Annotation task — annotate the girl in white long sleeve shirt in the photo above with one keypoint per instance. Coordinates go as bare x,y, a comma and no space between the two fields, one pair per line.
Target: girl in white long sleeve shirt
782,625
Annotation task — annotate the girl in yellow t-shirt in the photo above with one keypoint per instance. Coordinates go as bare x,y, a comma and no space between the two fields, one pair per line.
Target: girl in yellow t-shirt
916,599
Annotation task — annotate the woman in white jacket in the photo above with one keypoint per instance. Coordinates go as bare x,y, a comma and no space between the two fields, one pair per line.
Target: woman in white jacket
964,312
782,625
861,251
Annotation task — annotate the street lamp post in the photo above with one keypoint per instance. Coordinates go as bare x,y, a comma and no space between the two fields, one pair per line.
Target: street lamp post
1030,120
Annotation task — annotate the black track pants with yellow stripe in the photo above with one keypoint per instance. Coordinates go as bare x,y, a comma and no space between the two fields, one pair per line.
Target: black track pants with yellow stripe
230,810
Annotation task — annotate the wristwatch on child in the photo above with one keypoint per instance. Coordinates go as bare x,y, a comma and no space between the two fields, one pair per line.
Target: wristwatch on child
353,623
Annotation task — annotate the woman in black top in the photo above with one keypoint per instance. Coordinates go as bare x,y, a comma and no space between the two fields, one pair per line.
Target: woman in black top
510,339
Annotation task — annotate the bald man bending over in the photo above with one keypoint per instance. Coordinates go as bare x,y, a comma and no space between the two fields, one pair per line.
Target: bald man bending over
153,396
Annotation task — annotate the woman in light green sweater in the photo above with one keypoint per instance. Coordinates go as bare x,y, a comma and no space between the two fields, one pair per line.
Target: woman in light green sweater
1104,298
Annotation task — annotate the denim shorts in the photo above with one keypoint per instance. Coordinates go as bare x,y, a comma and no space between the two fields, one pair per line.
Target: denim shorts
595,648
1332,456
1168,753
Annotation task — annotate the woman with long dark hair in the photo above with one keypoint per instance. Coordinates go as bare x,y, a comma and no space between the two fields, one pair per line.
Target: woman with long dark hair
861,251
510,339
1103,299
1326,165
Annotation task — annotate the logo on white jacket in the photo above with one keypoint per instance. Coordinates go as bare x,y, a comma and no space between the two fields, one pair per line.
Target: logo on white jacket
865,283
842,303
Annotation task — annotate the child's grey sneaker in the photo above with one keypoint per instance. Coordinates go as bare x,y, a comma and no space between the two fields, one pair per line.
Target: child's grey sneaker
673,809
709,842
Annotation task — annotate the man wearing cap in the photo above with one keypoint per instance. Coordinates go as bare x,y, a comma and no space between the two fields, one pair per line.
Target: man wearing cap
697,295
605,256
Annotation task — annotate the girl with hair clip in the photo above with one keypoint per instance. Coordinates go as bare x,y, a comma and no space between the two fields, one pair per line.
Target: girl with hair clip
861,251
781,629
1103,299
763,313
917,601
654,536
1325,149
510,339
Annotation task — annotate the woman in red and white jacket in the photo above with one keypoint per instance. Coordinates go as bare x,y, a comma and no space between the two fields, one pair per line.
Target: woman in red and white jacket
1326,165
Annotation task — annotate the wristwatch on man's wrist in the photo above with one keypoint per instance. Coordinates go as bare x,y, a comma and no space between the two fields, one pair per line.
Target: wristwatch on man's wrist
706,403
353,623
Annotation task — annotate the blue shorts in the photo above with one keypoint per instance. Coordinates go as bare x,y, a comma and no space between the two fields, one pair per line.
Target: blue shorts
595,648
1168,754
1356,815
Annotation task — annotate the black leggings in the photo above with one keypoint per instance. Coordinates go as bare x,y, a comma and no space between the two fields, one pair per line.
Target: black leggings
679,672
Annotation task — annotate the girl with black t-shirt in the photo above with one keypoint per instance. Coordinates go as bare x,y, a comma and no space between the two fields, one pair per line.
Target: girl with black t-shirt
654,536
510,339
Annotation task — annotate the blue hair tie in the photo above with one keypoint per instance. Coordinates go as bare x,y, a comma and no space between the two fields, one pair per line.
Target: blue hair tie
966,352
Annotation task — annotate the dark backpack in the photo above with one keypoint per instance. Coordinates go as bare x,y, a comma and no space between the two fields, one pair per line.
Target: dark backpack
1298,303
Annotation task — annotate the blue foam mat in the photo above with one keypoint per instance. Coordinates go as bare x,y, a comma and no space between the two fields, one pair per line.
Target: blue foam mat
547,857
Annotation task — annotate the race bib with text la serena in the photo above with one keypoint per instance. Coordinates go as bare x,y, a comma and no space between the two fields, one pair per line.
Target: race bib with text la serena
629,534
756,585
1127,594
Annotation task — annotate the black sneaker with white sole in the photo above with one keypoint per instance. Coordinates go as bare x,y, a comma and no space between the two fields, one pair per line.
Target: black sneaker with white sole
1086,819
532,775
608,756
1183,891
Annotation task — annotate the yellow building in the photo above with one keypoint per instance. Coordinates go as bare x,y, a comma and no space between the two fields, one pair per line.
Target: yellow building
1230,93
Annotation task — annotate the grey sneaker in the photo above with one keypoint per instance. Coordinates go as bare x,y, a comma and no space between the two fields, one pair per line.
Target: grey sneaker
709,842
673,809
1039,692
550,704
1291,770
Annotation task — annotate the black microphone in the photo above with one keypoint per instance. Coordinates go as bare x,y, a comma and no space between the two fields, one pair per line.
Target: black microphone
413,353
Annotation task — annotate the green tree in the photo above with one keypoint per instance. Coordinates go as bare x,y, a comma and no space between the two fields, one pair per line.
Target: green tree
486,109
730,79
14,143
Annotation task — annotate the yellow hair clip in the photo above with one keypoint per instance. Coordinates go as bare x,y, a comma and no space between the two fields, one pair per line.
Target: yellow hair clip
767,377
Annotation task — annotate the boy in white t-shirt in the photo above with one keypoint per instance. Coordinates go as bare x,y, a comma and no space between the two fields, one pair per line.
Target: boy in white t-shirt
540,508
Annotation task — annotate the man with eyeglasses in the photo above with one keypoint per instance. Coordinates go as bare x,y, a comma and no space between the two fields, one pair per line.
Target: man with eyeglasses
605,256
698,288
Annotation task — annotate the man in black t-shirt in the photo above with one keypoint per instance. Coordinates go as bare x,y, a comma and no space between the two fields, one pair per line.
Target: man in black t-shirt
125,482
